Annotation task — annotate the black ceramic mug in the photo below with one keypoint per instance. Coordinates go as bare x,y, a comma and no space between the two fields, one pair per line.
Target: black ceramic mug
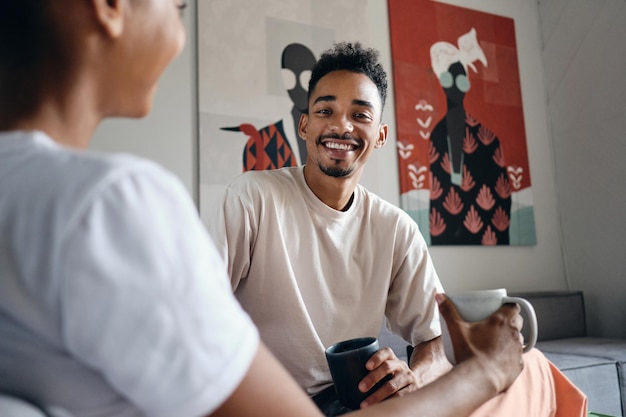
346,361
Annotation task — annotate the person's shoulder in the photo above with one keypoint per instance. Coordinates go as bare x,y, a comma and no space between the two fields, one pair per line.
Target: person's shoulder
80,176
111,166
384,210
265,180
376,203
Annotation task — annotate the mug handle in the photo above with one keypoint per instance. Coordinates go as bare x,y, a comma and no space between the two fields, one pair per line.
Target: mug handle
532,319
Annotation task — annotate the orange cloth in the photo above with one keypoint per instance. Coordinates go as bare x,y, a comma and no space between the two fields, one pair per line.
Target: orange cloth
541,390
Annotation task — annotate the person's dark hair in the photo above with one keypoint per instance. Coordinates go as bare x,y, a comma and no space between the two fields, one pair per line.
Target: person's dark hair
351,57
26,44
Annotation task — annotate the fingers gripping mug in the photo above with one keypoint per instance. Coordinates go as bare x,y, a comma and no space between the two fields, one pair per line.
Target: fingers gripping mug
478,305
346,361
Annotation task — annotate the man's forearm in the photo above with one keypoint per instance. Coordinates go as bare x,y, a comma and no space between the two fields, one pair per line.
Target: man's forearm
428,361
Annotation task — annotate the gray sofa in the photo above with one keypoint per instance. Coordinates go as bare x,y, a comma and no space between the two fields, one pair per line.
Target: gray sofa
596,365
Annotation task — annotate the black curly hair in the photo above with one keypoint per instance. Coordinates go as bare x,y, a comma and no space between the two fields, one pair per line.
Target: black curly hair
27,42
351,57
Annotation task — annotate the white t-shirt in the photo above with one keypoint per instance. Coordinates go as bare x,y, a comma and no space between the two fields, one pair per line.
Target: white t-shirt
113,300
310,276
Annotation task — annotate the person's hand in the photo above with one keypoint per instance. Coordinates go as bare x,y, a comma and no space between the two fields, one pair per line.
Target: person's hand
384,364
495,342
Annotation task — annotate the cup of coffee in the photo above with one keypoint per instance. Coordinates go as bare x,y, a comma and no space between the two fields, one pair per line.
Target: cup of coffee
346,361
478,305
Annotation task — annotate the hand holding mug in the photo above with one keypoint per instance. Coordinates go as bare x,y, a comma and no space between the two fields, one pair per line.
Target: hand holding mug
474,306
495,340
347,361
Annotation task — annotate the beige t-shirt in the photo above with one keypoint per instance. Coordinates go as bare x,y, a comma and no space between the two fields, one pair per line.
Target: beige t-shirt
310,276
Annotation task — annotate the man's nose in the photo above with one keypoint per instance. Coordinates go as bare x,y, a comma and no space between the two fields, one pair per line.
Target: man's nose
340,124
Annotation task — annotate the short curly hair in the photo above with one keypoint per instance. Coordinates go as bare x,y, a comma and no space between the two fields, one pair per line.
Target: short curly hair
351,57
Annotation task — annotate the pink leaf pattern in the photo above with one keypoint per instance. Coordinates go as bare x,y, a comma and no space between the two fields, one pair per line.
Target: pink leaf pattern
435,188
503,187
489,237
500,220
485,199
472,221
469,143
445,163
475,208
436,224
453,202
470,121
433,155
485,135
467,183
498,157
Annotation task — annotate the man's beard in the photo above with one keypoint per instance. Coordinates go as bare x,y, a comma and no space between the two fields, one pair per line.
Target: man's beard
336,172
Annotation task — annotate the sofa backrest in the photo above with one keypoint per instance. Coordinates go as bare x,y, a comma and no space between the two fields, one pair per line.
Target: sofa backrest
560,314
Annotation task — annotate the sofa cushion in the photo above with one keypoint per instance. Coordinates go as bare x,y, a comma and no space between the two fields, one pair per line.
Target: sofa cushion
560,314
613,350
597,377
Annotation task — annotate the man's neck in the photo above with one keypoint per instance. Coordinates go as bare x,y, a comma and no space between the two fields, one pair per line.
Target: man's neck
65,118
336,193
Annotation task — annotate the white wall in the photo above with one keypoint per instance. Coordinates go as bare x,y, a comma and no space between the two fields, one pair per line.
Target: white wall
585,60
594,254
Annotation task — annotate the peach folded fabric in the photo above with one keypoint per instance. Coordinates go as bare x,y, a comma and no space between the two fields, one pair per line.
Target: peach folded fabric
541,390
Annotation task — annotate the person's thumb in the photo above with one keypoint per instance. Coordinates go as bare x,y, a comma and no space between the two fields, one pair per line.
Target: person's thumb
446,308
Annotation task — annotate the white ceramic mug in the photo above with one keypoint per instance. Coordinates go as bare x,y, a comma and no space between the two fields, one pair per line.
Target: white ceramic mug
478,305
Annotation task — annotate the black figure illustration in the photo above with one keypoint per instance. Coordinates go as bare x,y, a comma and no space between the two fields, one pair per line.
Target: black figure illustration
269,147
470,197
298,59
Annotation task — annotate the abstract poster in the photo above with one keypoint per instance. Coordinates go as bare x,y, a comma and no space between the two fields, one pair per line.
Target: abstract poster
462,156
254,61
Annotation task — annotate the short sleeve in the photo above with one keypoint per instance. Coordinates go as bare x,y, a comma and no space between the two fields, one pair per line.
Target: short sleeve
411,310
146,300
233,231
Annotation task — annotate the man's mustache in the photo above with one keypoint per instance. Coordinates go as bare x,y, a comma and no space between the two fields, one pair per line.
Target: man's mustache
345,136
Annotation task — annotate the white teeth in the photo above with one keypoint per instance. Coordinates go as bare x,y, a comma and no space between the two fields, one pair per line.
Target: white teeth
340,146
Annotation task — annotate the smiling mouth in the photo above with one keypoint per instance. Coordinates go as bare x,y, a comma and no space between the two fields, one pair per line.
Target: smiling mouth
339,146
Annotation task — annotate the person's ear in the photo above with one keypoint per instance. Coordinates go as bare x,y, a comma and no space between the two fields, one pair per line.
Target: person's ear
110,16
382,135
302,126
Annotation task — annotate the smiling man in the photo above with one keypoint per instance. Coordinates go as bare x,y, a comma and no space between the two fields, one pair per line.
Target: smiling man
315,258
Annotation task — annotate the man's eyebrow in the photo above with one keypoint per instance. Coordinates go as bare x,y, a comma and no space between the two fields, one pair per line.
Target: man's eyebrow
324,98
364,103
357,102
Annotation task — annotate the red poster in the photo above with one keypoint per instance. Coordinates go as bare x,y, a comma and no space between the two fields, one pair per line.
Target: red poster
463,163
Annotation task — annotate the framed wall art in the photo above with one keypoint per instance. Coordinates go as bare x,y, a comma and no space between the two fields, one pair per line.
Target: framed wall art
462,157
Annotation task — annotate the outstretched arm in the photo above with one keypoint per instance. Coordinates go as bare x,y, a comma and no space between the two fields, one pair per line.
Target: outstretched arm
267,390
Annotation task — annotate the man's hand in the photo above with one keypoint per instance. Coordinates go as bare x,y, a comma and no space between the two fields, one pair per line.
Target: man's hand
495,342
428,362
382,363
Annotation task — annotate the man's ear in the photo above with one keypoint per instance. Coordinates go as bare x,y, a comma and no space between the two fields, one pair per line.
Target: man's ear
110,16
382,135
302,125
